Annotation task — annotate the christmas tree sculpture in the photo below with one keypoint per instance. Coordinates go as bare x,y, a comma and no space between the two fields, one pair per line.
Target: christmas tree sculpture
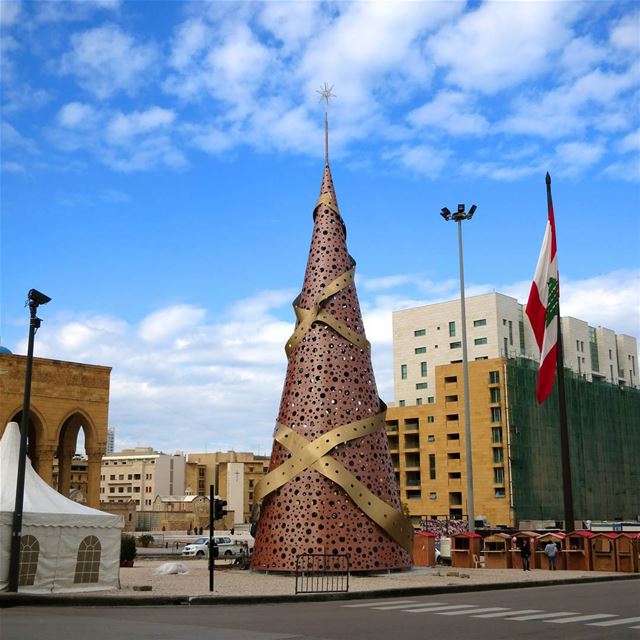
331,487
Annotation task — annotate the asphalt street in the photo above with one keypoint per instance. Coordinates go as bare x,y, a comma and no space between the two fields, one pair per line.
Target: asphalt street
597,611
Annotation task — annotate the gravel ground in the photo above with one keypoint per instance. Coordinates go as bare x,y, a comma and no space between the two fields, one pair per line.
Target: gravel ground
237,582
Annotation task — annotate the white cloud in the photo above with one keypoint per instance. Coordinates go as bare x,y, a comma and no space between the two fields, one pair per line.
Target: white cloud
580,55
76,115
501,44
106,60
450,111
630,142
122,126
165,323
423,159
9,12
625,34
573,157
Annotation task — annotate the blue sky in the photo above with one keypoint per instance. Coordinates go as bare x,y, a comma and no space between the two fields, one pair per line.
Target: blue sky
161,160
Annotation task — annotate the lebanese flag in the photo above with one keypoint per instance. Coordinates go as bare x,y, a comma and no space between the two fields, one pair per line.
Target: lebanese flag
543,305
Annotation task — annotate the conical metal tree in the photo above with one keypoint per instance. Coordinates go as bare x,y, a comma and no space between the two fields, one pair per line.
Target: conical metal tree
331,488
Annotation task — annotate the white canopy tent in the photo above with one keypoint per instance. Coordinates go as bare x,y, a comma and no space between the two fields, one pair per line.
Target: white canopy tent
65,545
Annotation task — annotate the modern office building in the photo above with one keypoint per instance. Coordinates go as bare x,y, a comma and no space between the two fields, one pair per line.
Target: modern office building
428,336
111,440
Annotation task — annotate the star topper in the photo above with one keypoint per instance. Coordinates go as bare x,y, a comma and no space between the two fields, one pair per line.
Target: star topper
326,94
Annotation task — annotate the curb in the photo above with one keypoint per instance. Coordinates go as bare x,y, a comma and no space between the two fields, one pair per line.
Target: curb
8,600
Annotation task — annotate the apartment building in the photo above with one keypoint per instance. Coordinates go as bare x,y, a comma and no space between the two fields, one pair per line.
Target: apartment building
233,474
428,336
140,475
428,446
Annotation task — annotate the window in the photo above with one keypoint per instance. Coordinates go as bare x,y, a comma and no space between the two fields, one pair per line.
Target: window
455,345
506,347
430,400
455,475
499,492
112,477
496,414
610,356
121,476
510,333
423,369
451,398
455,455
452,329
419,332
494,377
88,561
496,435
498,475
431,438
112,489
498,455
494,394
430,419
28,559
136,476
453,436
401,403
451,379
480,341
433,495
403,371
432,466
521,335
479,323
120,489
422,385
418,350
418,401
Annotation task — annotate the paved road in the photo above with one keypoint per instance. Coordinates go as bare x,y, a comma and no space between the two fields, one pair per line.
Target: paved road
583,611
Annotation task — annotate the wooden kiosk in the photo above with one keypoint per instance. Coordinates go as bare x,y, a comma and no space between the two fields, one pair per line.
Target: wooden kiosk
577,551
627,552
424,549
603,551
497,554
557,537
465,550
516,543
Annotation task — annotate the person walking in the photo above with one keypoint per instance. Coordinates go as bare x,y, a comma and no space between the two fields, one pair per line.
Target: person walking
525,554
551,551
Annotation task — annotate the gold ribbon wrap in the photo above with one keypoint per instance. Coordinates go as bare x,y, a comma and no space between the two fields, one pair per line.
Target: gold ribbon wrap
314,454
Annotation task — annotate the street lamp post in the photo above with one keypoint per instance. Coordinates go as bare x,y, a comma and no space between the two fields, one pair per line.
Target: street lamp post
458,217
35,299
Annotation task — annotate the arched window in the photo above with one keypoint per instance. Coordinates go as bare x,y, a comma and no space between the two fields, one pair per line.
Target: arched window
88,563
29,552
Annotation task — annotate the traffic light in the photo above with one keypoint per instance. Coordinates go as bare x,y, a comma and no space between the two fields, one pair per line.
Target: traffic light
219,510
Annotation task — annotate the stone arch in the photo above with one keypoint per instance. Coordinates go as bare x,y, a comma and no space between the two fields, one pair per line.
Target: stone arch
36,433
67,440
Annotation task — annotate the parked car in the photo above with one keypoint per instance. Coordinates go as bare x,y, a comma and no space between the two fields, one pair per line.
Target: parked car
224,546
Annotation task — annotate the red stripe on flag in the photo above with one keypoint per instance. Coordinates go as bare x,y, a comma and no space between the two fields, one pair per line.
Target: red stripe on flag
536,314
552,222
546,374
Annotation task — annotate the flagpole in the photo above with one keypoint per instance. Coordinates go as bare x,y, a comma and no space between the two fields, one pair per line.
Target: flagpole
569,521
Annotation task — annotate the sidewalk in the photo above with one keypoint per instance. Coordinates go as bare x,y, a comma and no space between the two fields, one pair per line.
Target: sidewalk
233,585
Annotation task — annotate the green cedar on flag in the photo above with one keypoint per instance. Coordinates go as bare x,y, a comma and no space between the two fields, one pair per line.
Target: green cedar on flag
543,305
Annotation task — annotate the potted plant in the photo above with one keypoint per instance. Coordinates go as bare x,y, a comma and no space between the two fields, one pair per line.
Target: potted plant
127,551
146,539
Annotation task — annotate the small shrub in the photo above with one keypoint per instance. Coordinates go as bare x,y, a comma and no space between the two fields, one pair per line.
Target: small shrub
145,539
128,548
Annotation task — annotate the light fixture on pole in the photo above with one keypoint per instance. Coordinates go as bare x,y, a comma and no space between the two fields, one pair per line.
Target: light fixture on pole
35,299
458,217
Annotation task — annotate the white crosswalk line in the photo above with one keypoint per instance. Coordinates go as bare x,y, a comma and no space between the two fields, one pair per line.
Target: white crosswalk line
504,614
446,608
374,603
541,616
465,612
611,623
403,605
593,616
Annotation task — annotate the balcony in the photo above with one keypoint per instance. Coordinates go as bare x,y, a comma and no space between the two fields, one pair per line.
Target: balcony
411,424
412,441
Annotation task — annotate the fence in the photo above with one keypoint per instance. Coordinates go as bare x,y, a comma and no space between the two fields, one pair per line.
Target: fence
319,573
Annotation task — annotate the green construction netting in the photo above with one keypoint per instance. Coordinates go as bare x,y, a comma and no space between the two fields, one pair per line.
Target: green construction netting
604,435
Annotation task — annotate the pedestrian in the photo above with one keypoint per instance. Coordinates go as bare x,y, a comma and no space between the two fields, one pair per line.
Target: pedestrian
551,550
525,554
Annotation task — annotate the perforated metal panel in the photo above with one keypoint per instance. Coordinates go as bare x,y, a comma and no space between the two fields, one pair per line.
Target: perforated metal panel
329,383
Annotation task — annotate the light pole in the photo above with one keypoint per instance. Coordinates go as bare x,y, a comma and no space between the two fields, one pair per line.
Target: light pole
35,299
458,217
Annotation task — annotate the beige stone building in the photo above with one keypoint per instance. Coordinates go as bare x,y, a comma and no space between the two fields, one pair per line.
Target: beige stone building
428,447
140,475
233,474
180,513
66,397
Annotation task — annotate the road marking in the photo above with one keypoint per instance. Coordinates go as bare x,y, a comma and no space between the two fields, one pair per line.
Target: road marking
462,613
611,623
468,607
373,604
540,616
593,616
504,614
402,606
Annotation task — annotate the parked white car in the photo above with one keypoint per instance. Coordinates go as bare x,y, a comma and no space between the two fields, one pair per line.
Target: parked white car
226,547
